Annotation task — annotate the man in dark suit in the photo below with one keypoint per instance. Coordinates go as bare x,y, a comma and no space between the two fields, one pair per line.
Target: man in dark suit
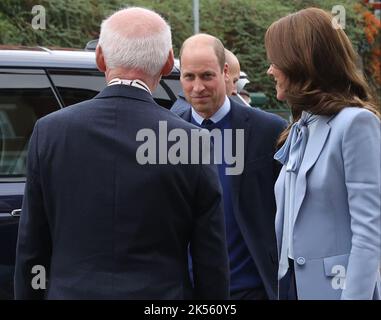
249,203
95,222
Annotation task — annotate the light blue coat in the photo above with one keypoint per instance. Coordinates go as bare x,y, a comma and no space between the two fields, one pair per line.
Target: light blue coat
337,231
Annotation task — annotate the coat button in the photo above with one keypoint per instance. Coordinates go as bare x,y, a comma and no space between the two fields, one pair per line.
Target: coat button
300,261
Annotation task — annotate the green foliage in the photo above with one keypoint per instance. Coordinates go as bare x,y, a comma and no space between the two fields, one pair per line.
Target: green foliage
240,24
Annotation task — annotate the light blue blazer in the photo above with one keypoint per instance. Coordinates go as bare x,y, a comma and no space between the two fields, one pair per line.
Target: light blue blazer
337,231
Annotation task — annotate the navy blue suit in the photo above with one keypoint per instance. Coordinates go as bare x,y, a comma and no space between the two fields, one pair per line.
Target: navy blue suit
106,227
253,190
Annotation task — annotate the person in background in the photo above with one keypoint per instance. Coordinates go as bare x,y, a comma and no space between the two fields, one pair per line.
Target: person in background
234,71
103,225
328,220
249,202
233,78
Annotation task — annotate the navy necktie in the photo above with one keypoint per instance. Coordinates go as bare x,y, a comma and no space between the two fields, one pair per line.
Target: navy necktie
207,124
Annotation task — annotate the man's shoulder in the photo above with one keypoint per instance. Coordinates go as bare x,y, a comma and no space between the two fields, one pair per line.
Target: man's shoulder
175,119
65,114
268,117
260,116
180,106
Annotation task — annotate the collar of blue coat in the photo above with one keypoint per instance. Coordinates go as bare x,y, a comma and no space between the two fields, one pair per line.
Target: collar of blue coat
292,151
218,116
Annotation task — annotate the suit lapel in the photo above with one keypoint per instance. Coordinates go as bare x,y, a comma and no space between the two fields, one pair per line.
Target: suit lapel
239,120
312,152
186,115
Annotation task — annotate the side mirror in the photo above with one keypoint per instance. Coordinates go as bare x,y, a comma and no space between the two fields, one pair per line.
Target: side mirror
91,45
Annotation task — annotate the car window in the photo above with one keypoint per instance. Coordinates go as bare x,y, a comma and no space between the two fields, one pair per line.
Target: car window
25,96
174,85
77,85
163,95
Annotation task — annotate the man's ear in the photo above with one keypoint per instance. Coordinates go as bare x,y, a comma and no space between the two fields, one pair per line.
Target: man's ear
167,69
100,59
226,72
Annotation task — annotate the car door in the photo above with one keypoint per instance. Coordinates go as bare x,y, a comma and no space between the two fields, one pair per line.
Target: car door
25,96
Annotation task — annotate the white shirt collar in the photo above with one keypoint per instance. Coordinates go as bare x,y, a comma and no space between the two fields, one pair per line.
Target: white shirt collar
133,83
219,115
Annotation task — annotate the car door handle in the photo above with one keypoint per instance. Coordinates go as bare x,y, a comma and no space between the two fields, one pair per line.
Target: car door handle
16,213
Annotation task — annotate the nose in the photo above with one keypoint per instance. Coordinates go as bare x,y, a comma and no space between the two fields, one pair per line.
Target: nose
198,85
270,70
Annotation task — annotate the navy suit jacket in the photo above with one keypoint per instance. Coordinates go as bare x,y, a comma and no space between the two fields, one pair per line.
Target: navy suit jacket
106,227
253,190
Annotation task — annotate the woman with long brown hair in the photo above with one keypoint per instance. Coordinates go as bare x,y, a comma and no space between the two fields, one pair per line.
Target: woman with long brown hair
328,220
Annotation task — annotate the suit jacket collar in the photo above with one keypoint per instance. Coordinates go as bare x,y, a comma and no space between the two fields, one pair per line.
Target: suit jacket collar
240,120
124,91
186,114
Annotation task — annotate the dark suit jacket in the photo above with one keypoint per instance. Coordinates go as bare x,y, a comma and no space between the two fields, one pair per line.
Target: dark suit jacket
253,190
105,227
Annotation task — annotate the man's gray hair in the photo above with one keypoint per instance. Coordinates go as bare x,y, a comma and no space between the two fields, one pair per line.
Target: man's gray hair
147,53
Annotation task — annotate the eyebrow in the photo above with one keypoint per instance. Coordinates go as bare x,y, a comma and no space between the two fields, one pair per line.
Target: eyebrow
205,73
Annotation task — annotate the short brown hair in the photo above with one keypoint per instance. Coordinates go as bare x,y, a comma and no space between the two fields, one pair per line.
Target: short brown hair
217,45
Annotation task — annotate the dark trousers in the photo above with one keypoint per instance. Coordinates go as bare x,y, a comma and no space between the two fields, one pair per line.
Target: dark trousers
250,294
287,285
